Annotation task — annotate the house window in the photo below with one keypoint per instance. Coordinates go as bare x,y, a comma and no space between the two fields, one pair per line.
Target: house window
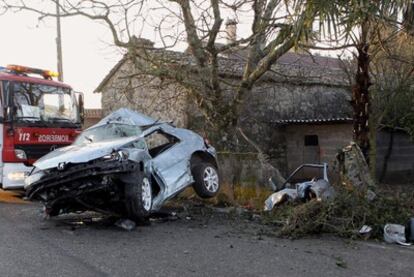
311,140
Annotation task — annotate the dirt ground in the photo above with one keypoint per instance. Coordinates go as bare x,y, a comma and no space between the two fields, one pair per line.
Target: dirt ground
195,241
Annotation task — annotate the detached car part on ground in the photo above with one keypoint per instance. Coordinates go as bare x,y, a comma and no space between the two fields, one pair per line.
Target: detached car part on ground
319,189
128,164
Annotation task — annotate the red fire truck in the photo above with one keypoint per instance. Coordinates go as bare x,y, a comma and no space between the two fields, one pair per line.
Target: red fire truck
37,116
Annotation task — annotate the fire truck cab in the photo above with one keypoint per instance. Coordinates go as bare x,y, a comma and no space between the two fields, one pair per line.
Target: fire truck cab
37,115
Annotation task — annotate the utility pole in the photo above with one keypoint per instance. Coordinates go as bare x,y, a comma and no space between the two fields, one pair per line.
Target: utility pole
59,43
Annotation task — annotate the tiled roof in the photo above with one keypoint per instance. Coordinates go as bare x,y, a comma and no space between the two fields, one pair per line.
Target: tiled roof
93,113
290,67
313,120
330,103
298,59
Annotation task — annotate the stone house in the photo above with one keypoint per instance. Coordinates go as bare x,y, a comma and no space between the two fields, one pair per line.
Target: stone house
297,119
298,113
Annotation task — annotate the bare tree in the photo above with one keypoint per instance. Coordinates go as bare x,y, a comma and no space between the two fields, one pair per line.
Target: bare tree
276,27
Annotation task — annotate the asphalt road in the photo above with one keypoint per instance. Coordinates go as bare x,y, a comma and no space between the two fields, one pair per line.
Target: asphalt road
199,243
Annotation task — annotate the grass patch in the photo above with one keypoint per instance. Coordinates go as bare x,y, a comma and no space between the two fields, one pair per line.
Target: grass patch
252,197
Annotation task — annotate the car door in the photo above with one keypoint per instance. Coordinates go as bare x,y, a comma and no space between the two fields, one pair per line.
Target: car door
169,161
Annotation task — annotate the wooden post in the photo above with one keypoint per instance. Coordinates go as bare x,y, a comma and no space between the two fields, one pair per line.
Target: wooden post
59,43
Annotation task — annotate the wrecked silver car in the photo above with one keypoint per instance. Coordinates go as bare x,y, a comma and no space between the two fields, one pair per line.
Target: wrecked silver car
317,188
128,164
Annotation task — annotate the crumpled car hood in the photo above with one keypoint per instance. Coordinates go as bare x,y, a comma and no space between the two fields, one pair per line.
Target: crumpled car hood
80,153
126,116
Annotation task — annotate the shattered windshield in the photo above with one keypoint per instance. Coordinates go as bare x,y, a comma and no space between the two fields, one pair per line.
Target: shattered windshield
108,132
36,102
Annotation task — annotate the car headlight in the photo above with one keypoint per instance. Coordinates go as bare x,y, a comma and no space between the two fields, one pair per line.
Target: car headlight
17,175
116,156
20,154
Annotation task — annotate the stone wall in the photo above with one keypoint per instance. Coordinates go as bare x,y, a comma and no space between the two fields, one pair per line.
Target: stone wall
274,101
400,167
149,95
247,170
270,102
331,139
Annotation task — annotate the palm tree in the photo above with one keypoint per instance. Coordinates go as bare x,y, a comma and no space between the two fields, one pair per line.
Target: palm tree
364,24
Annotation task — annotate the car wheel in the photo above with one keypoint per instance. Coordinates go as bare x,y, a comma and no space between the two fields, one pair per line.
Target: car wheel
138,196
206,177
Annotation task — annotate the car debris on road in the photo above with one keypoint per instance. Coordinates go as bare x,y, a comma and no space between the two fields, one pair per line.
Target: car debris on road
125,224
365,231
400,234
395,233
128,164
319,189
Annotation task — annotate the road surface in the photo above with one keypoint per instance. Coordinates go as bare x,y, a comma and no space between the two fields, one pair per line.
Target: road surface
199,243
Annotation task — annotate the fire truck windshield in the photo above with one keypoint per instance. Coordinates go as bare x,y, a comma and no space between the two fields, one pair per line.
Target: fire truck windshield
37,102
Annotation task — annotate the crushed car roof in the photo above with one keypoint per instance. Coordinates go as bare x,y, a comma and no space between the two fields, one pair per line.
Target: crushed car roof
126,116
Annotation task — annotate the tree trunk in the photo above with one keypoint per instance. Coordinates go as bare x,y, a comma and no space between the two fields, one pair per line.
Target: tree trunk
361,100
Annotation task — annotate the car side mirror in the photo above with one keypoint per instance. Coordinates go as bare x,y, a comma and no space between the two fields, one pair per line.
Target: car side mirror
7,112
3,116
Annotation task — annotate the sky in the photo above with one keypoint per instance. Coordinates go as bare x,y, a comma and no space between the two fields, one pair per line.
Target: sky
87,54
87,51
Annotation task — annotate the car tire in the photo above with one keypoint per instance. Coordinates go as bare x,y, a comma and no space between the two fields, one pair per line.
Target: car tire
206,180
138,196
